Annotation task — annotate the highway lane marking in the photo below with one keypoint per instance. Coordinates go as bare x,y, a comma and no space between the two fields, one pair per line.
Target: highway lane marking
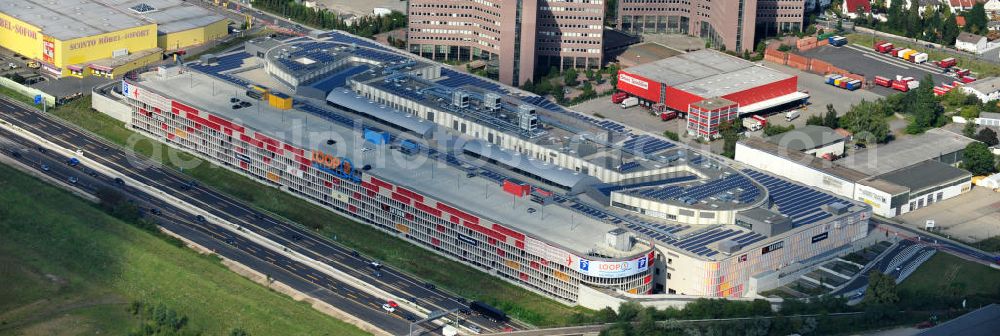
209,193
201,228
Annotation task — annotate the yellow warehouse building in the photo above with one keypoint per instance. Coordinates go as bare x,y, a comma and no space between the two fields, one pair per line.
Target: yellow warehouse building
103,37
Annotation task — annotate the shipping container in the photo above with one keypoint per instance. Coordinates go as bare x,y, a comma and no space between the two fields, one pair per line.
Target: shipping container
902,53
831,78
919,58
854,85
968,79
752,124
962,72
908,54
947,62
901,86
838,41
883,47
895,51
882,81
912,84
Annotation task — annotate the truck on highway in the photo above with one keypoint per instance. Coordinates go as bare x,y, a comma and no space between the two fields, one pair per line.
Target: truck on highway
488,311
754,123
629,102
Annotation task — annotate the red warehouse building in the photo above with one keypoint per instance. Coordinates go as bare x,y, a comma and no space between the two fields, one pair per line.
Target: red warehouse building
680,81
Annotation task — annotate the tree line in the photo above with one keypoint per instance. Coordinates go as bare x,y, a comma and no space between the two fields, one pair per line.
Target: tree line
366,26
936,24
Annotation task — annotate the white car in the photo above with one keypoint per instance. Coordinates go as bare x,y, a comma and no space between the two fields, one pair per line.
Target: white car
388,308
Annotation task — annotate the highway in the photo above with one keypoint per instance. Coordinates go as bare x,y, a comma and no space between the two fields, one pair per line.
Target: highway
220,240
292,236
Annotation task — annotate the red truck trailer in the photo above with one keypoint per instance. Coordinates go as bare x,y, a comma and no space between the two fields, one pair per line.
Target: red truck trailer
947,62
882,81
883,47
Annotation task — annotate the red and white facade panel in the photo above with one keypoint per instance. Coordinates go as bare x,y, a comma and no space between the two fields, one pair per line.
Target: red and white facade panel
421,219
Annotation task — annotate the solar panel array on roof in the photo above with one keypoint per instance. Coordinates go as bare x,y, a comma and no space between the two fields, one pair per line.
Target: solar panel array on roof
802,204
142,8
645,144
731,188
608,189
340,78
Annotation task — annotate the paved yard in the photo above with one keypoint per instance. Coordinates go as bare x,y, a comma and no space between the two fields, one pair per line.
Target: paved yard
640,118
971,217
820,94
864,61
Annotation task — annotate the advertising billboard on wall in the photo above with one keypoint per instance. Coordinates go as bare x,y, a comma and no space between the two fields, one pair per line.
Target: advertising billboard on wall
48,49
603,269
639,86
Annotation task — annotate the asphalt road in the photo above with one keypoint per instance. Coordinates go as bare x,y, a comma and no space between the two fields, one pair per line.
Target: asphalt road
295,238
867,62
214,237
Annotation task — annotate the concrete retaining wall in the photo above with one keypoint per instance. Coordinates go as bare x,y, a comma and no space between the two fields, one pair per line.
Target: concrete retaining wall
111,107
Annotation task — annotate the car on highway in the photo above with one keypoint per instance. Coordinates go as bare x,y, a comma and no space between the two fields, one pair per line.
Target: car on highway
200,218
45,167
355,254
429,286
16,155
73,179
375,264
377,274
119,181
390,306
474,328
73,162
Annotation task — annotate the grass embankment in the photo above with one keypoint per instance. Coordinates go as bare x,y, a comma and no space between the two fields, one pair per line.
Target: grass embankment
447,274
69,268
982,69
946,280
991,244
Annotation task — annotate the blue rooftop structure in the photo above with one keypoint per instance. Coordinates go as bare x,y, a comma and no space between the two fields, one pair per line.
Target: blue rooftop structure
340,78
736,184
800,203
645,144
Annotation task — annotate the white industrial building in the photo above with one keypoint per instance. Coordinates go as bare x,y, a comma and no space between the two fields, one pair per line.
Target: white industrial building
971,42
891,193
988,119
820,141
986,89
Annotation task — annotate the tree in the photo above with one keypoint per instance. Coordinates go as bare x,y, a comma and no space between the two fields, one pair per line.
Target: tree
569,77
867,121
881,289
830,119
770,129
978,159
988,137
559,93
816,120
976,20
730,133
970,129
949,30
924,107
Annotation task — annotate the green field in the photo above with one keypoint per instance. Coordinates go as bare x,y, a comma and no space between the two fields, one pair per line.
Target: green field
982,69
447,274
947,280
67,268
